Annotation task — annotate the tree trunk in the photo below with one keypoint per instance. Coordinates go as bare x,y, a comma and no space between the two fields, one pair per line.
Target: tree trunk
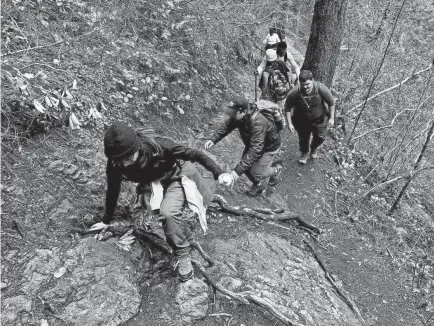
323,49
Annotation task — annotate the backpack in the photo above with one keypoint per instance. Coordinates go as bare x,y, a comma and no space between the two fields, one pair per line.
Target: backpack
272,112
315,93
278,85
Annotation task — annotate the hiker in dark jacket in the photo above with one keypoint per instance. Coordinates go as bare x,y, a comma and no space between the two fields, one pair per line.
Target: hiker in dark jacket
309,108
166,166
261,139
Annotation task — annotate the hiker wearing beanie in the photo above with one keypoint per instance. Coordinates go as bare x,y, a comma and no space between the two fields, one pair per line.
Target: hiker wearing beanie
309,108
159,163
261,139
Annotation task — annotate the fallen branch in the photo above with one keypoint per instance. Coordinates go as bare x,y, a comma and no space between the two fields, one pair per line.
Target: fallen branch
34,48
390,88
259,214
246,297
345,297
198,247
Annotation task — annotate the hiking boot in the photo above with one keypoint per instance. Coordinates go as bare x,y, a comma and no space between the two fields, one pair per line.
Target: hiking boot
303,158
184,268
256,190
274,180
314,154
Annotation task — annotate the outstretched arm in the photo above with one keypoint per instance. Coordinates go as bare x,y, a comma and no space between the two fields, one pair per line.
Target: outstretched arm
190,154
293,63
114,182
257,140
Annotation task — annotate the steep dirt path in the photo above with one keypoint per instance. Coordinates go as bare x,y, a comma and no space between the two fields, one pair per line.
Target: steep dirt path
384,296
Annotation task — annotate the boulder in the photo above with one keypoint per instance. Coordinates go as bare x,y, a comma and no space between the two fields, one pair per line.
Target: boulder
12,307
98,288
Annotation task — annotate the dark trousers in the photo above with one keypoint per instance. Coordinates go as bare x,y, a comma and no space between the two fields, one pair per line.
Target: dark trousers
305,128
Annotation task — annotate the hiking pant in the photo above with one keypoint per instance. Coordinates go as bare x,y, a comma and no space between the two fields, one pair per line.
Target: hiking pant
262,169
305,128
178,228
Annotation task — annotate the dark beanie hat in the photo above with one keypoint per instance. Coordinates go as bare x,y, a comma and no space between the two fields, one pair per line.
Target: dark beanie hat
120,141
282,45
239,103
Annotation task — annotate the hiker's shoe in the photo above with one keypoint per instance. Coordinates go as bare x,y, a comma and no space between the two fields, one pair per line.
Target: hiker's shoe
274,180
303,158
256,190
184,268
314,154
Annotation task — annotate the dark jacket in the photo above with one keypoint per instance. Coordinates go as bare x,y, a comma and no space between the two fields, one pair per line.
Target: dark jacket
259,135
161,166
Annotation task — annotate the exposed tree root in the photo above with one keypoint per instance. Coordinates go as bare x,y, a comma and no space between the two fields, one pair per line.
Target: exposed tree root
340,291
246,297
264,214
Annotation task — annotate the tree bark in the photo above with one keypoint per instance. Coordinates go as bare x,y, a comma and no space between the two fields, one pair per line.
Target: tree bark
323,49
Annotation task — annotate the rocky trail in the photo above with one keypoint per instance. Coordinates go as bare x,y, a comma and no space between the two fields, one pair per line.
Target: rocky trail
53,275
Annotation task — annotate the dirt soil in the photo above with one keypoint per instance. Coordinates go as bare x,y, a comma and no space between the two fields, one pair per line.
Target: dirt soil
63,175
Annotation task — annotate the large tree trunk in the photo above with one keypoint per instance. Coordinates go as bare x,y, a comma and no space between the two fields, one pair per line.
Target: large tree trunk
323,49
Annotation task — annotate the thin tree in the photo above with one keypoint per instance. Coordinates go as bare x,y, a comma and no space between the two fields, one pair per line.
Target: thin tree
325,39
416,167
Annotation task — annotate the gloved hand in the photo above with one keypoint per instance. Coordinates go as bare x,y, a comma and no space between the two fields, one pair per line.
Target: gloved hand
209,144
256,72
331,122
99,226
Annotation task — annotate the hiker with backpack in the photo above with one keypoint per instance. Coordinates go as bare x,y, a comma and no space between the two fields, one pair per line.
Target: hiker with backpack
166,167
259,132
309,108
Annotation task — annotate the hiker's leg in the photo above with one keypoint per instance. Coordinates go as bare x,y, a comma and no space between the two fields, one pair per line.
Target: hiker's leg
303,131
171,208
319,132
262,169
265,76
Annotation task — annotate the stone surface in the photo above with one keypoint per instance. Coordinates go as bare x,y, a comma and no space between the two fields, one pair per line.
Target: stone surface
192,299
59,212
99,287
39,269
294,281
12,307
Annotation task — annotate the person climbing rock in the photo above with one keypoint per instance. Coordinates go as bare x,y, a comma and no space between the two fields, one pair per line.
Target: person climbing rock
271,39
166,167
261,139
310,108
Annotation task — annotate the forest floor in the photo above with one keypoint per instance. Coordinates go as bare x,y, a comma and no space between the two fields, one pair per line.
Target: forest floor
54,182
58,180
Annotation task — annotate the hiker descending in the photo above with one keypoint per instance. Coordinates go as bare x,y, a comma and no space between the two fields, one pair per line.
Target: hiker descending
310,108
271,39
164,167
260,135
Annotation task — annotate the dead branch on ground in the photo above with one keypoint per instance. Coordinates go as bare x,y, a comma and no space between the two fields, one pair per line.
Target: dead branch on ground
340,291
246,297
263,214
